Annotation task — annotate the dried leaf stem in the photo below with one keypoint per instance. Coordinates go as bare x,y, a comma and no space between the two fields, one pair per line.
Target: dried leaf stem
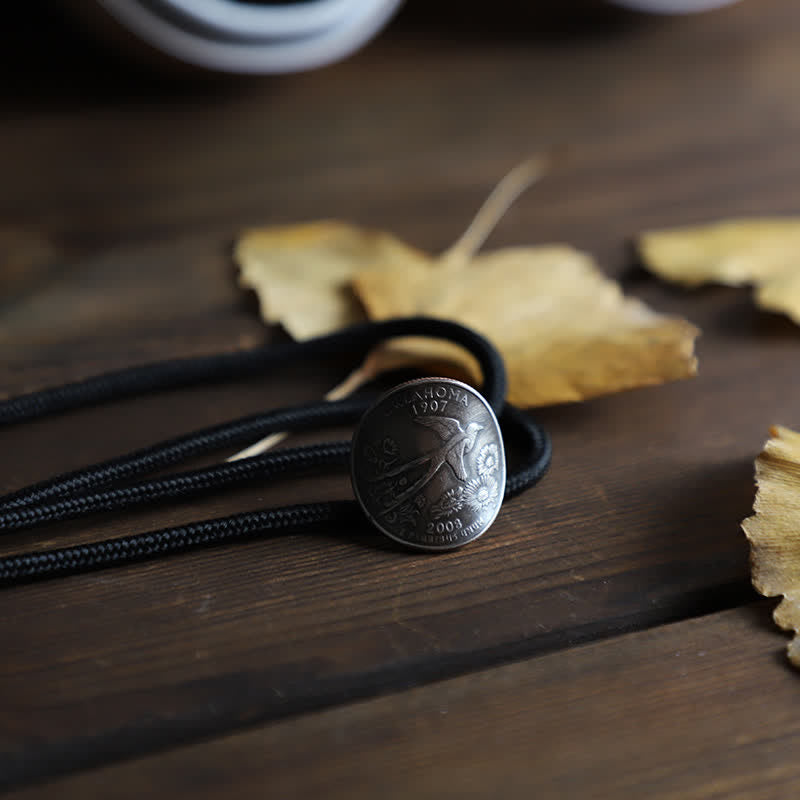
501,198
494,208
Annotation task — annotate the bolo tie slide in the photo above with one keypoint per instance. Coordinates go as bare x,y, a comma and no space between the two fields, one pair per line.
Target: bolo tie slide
427,460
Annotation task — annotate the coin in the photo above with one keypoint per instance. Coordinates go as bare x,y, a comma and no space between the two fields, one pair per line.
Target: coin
428,465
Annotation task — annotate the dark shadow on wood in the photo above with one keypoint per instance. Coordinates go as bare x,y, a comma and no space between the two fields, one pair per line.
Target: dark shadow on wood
51,60
547,21
250,700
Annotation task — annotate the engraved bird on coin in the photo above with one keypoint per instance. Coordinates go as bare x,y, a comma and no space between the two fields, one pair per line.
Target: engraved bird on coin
455,443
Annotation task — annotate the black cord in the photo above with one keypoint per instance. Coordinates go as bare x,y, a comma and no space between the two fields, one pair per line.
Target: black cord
76,494
34,566
174,451
356,340
183,485
26,567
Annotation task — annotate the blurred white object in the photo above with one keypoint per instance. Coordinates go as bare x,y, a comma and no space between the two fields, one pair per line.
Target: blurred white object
247,36
674,6
231,36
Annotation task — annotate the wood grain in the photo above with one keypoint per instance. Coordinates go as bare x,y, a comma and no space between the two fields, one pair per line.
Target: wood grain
692,710
143,189
662,123
637,524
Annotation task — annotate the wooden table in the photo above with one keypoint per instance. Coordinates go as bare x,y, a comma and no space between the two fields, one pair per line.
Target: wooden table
603,639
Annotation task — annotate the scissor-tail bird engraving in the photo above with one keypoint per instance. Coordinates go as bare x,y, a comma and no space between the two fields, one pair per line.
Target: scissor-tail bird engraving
433,482
455,443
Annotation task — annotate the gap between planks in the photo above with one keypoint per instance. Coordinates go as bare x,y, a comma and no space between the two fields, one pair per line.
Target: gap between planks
696,709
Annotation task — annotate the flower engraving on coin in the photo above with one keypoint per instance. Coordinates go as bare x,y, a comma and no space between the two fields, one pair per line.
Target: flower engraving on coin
487,461
481,493
407,515
451,502
382,455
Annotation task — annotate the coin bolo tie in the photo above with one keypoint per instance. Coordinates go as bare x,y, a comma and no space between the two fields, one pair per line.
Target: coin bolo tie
427,460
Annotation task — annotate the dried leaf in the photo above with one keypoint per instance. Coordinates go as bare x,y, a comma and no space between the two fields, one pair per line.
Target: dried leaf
774,530
301,273
762,252
566,331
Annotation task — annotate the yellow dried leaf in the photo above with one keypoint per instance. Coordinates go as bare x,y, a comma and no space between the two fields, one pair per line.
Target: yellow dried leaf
566,331
774,530
301,273
782,293
762,252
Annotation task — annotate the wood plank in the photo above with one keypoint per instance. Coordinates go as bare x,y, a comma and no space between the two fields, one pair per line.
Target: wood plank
636,525
698,709
652,138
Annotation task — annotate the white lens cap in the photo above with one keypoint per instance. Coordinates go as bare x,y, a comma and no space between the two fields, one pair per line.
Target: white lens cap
230,36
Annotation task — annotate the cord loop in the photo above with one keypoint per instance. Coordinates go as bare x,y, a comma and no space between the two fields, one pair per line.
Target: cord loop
93,489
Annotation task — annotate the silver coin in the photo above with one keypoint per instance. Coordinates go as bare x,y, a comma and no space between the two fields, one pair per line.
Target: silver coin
428,465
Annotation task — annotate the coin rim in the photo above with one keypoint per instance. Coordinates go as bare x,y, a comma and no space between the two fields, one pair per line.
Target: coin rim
416,545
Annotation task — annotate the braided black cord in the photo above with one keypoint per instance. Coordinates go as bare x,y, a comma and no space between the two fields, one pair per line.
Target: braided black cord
173,451
25,507
357,341
182,485
535,446
97,555
25,567
517,427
